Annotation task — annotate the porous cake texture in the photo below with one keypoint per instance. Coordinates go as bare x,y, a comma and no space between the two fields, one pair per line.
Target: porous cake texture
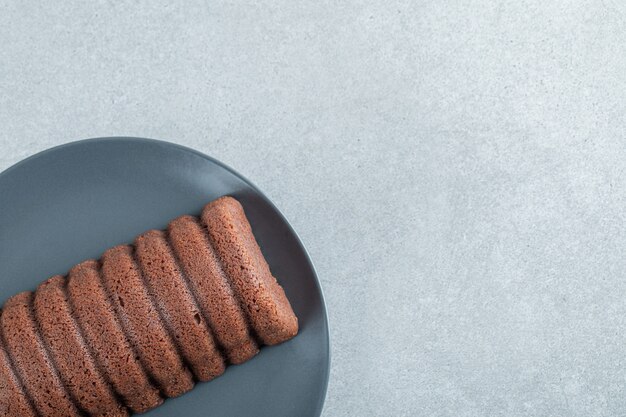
117,336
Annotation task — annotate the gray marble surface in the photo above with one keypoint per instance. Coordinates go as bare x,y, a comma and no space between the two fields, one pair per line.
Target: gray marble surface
456,169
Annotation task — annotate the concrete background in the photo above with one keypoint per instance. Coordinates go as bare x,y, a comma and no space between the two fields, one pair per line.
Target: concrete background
456,169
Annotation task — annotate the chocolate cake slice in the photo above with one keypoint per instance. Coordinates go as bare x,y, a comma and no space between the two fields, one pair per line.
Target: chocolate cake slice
145,322
13,399
104,335
208,281
77,368
179,309
31,359
263,299
140,319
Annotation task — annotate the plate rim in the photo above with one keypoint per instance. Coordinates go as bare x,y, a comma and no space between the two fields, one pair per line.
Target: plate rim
164,143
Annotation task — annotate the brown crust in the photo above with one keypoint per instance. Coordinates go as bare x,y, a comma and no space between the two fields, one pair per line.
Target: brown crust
31,359
140,319
263,299
177,306
213,292
103,332
13,398
73,361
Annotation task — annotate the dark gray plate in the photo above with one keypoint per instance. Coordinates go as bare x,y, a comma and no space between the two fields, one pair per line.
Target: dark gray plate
72,202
